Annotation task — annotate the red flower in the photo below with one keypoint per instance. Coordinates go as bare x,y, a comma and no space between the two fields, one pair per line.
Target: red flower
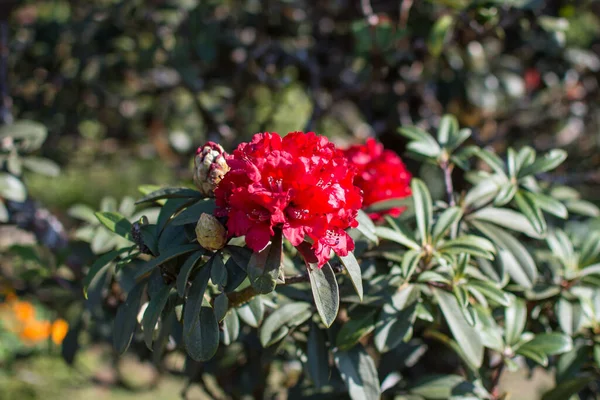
300,183
381,175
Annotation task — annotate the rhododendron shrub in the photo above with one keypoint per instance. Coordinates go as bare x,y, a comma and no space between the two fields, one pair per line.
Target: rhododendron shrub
274,270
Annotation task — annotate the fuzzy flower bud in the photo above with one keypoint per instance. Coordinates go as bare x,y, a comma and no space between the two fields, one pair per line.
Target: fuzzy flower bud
210,233
210,166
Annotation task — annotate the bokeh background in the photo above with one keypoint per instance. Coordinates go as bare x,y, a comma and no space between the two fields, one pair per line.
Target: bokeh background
127,90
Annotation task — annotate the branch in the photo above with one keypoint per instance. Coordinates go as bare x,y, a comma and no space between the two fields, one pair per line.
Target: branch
447,167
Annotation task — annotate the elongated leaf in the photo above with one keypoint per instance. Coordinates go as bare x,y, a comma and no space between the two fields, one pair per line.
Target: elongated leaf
11,188
354,272
186,269
366,226
565,390
550,205
126,318
170,193
515,316
191,311
384,205
441,387
465,335
593,269
231,328
439,33
192,213
506,194
317,355
549,343
202,339
41,166
397,318
291,314
153,312
492,160
514,256
548,162
536,356
358,371
398,237
506,218
448,218
355,329
525,157
147,268
30,135
423,209
325,292
489,290
252,312
447,129
410,261
116,223
99,265
263,267
218,272
532,212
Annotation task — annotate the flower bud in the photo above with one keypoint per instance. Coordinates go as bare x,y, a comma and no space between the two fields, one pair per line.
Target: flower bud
210,166
210,233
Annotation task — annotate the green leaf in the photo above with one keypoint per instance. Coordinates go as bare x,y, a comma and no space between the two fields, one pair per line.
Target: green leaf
590,248
525,157
506,218
126,318
325,292
231,328
30,135
515,317
384,205
99,265
41,166
354,272
410,261
252,312
440,386
218,272
192,213
423,208
465,335
570,316
549,343
396,319
470,244
532,212
186,269
566,389
506,194
193,304
153,312
439,33
492,160
11,188
292,314
550,205
317,355
511,162
359,373
354,329
396,236
366,226
449,217
514,256
221,306
170,193
491,291
146,268
116,223
536,356
3,212
548,162
263,267
447,129
202,338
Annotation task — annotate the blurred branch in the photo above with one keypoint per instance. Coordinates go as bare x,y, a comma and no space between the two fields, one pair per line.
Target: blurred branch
5,112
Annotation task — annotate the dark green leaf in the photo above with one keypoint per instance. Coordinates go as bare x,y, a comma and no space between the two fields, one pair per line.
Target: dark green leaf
317,355
292,314
410,261
565,390
448,218
397,318
126,318
354,272
466,335
355,329
116,223
164,257
549,343
191,311
99,265
263,267
153,312
170,193
186,269
423,208
192,213
218,272
202,338
325,292
359,373
221,306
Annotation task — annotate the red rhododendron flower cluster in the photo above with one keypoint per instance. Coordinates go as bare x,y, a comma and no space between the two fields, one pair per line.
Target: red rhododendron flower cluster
381,175
300,184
